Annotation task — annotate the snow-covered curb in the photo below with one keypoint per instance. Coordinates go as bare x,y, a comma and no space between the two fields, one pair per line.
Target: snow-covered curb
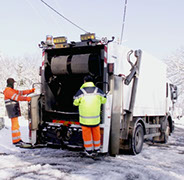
179,122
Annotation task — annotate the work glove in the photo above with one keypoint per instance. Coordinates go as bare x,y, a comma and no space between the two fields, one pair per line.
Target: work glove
33,90
28,99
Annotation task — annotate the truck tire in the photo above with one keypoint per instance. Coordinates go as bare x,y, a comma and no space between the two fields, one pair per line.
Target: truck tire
137,139
163,138
166,133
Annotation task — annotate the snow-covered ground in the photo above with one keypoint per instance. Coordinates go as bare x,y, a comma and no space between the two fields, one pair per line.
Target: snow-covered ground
155,162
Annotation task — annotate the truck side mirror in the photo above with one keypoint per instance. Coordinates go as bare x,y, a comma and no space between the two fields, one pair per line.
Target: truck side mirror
175,93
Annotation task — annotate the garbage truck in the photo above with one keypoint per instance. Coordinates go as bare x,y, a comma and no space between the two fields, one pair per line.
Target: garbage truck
140,100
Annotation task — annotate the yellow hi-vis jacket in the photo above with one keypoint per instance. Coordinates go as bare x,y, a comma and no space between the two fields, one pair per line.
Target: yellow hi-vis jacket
89,99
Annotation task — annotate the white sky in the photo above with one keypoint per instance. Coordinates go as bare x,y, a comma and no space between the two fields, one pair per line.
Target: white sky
155,26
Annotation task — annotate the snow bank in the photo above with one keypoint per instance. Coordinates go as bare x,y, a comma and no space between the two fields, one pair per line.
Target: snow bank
155,162
179,122
6,145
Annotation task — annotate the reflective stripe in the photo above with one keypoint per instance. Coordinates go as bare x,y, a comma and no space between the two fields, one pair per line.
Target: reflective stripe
15,131
87,142
15,138
89,94
96,142
10,102
89,148
13,96
16,97
78,96
13,108
84,91
89,117
97,148
100,94
95,91
20,93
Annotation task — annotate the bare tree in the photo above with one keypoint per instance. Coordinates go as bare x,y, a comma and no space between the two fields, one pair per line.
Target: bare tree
27,69
175,72
24,70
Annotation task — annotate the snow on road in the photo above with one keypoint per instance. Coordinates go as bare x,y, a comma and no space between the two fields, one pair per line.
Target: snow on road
155,162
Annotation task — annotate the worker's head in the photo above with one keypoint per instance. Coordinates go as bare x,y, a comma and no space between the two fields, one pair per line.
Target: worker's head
88,78
10,82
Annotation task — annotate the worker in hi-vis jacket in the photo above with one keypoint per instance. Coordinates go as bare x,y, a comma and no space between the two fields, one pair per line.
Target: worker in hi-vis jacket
12,98
89,99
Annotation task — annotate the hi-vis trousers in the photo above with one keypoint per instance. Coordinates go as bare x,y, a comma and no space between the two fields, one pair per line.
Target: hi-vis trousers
91,137
16,136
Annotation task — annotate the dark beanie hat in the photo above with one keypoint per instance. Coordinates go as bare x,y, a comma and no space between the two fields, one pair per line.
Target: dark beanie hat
88,78
10,81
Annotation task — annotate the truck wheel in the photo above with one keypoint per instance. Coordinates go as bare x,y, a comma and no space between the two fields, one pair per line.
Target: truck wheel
137,139
167,132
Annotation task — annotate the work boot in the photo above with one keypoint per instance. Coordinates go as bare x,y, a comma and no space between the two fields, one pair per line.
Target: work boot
19,143
88,153
96,152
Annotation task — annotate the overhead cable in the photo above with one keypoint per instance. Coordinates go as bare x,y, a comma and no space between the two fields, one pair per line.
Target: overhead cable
123,24
35,10
63,16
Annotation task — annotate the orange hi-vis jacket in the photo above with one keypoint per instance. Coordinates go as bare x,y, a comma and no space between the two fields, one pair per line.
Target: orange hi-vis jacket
16,95
11,97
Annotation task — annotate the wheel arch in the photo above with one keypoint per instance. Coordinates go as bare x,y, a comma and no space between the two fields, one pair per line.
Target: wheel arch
136,121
